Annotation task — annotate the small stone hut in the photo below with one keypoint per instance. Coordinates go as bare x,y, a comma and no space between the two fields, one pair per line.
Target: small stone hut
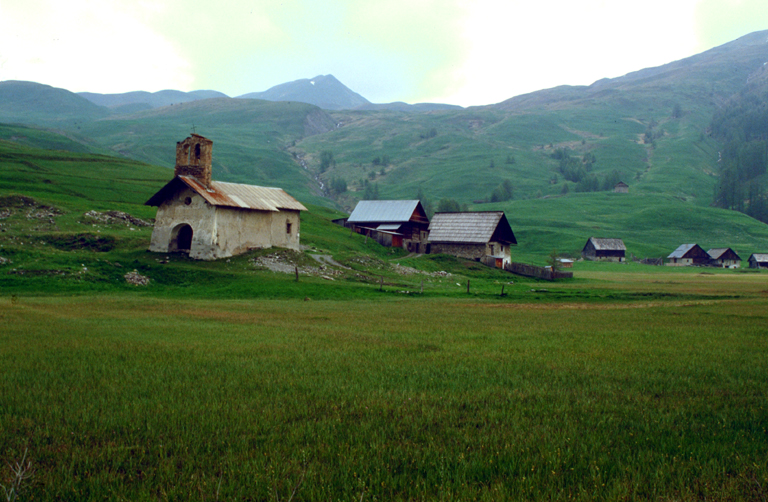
392,223
604,249
474,235
688,254
211,219
724,257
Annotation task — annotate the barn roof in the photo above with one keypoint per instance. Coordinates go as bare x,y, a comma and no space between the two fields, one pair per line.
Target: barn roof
230,195
608,244
471,228
723,253
682,250
385,211
759,257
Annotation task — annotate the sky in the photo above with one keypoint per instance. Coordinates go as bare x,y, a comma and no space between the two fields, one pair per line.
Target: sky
463,52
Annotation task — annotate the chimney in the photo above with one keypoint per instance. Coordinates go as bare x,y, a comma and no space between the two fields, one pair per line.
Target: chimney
193,158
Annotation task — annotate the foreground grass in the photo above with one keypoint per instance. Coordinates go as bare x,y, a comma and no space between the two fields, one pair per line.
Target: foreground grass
408,399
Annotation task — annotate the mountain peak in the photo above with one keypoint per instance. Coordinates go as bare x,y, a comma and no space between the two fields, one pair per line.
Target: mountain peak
324,91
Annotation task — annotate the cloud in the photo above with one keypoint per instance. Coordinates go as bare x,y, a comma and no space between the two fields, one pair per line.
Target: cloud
85,46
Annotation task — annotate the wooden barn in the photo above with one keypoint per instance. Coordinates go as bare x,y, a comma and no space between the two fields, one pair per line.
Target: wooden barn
758,260
209,220
393,223
724,257
621,187
604,249
688,254
483,235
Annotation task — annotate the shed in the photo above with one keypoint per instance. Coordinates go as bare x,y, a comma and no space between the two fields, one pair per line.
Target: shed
724,257
688,254
758,260
604,249
472,235
621,187
211,219
397,223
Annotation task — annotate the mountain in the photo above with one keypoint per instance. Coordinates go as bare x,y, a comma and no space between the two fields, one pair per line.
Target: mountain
130,102
324,91
30,102
400,106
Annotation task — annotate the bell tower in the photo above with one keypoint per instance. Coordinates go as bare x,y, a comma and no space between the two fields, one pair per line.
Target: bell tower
193,158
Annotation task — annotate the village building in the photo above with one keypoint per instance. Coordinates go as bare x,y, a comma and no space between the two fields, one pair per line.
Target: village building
485,236
621,187
724,257
211,219
392,223
758,260
604,249
688,254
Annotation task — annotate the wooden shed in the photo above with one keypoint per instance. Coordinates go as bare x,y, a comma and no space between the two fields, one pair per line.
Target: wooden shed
473,235
604,249
758,260
688,254
392,223
621,187
724,257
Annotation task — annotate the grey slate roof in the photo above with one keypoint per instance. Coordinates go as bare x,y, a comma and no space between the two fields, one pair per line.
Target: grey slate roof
717,253
471,228
608,244
681,251
760,257
230,195
383,211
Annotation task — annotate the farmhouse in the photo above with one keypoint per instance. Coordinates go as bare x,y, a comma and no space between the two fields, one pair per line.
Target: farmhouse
621,187
209,219
758,260
688,254
482,236
724,257
392,223
604,249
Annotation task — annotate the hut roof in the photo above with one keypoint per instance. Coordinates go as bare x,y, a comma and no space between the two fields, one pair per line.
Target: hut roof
759,257
471,228
386,211
723,254
608,244
230,195
683,250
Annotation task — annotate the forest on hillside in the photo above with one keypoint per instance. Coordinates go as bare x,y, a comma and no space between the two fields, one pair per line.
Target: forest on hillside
742,126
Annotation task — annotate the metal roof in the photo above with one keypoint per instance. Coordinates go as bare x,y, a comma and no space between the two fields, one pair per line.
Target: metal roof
471,228
231,195
681,251
759,257
383,211
608,244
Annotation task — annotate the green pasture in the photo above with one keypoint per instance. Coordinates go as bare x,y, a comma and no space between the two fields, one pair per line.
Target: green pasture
135,397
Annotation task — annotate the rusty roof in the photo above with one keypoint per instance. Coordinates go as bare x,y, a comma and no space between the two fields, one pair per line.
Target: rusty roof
471,227
231,195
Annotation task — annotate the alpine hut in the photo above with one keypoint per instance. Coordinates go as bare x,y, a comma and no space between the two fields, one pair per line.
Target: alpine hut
392,223
604,249
758,260
688,254
724,257
483,235
211,219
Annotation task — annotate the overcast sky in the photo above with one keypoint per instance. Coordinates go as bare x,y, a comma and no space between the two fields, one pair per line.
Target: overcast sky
465,52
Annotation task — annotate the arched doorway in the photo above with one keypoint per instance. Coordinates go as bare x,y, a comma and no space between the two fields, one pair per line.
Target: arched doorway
181,239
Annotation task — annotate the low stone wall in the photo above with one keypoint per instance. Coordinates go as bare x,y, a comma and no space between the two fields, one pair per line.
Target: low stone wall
538,272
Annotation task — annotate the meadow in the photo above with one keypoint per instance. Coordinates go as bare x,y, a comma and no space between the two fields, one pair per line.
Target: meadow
651,385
